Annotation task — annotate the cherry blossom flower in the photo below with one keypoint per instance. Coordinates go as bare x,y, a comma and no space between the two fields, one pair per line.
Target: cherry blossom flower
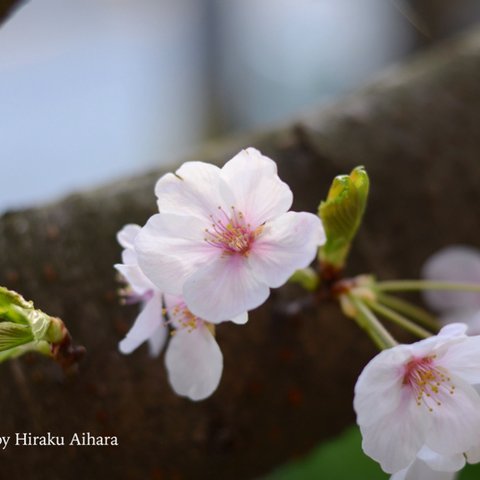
418,401
193,358
224,237
149,325
455,263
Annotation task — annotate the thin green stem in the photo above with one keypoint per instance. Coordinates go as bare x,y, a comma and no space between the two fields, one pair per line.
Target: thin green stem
410,285
418,314
398,319
367,320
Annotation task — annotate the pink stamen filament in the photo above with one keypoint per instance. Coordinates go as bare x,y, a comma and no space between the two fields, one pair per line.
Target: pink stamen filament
427,381
231,234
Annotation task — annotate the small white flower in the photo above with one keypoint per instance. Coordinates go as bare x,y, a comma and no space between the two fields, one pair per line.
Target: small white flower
455,263
193,359
223,237
421,395
149,325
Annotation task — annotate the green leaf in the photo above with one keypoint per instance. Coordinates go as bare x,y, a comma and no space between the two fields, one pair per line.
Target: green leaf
13,307
340,459
13,335
341,214
23,328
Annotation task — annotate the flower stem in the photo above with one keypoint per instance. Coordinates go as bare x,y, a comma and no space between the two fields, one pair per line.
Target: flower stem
409,285
406,308
398,319
367,320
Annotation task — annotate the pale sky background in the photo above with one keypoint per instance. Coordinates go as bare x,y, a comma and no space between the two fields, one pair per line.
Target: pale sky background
91,90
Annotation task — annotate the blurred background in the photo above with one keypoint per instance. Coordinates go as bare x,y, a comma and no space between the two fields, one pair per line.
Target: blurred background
91,90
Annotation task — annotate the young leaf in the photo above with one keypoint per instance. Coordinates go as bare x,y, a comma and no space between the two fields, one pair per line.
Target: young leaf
342,214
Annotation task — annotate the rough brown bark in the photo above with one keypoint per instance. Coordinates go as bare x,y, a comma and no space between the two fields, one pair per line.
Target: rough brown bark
7,7
288,379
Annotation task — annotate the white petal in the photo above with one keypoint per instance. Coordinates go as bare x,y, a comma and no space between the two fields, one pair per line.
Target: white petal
454,329
127,235
170,248
129,257
134,276
453,264
194,363
147,322
470,317
378,391
195,189
391,423
395,441
441,463
419,470
224,289
288,243
258,191
456,422
157,340
241,319
462,359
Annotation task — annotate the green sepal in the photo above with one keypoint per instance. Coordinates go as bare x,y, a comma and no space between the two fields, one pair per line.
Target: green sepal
341,214
13,335
22,327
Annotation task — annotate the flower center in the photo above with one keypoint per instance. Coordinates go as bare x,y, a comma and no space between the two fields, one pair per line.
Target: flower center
231,233
183,317
428,382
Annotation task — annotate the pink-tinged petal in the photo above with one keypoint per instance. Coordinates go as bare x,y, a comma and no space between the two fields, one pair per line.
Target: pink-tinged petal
419,470
395,441
241,319
147,322
223,289
157,340
129,257
258,191
439,344
380,385
468,316
453,330
286,244
195,189
127,234
462,359
453,264
194,363
170,248
441,463
456,422
137,280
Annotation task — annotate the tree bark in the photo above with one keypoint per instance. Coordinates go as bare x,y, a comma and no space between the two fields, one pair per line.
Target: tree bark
288,378
7,7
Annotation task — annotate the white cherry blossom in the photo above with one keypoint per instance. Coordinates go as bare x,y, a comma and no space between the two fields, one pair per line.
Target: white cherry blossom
456,263
149,325
193,359
224,237
418,401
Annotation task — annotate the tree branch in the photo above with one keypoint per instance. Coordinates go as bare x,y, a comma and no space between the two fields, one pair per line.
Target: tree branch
288,378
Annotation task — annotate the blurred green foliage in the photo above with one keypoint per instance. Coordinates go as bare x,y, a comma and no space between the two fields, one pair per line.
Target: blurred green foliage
343,459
